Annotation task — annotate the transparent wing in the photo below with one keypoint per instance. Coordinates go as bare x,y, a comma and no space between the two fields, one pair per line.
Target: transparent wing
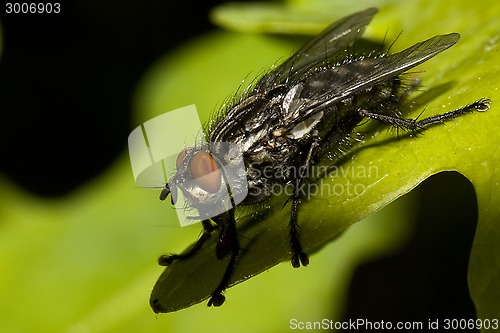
334,84
339,36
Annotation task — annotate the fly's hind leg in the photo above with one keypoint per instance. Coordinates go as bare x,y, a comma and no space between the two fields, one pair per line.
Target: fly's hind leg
415,125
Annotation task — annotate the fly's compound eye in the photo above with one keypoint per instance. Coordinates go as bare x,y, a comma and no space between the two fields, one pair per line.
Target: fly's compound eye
180,158
205,171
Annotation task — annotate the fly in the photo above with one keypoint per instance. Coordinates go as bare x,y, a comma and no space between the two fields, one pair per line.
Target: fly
302,111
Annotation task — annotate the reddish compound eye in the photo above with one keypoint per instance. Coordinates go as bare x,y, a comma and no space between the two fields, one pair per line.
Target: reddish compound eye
180,158
205,171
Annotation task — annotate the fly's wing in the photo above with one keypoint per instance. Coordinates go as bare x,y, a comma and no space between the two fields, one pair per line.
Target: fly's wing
338,37
335,39
332,85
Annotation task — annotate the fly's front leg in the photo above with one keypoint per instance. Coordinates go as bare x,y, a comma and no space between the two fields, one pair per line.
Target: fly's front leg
298,255
167,259
227,245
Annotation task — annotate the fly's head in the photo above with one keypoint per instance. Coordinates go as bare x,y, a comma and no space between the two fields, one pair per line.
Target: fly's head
199,178
211,178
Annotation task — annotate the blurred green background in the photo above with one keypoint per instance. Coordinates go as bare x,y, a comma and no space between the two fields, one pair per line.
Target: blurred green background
79,241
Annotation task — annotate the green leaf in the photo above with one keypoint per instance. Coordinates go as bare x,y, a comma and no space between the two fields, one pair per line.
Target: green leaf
385,168
292,17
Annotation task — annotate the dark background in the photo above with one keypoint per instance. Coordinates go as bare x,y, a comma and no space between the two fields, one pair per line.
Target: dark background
427,279
66,82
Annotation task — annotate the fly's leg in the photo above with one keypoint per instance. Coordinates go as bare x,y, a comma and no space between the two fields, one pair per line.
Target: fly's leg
414,125
167,259
208,228
217,299
481,105
299,257
227,244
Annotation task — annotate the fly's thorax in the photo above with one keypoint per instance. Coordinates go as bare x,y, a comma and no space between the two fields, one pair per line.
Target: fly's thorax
249,121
